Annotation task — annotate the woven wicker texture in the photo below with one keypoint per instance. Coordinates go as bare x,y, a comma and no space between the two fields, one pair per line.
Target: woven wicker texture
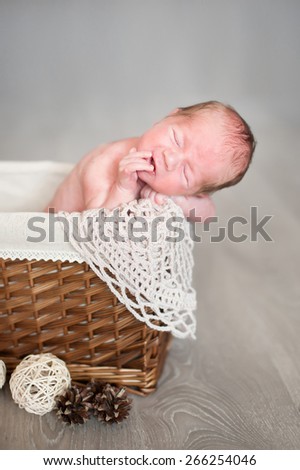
2,373
65,309
157,270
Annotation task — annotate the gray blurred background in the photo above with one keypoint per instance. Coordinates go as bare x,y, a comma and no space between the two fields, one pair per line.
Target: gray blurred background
78,73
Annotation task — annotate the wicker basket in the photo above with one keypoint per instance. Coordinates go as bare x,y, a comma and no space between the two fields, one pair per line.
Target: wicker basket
65,309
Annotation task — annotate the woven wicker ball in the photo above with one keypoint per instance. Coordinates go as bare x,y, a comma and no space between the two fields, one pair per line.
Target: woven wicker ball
2,373
37,380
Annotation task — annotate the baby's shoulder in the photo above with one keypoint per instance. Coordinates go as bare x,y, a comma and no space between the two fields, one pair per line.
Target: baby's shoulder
115,148
106,154
103,159
123,146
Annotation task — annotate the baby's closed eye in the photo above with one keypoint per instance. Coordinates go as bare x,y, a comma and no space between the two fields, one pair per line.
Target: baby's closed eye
184,172
176,137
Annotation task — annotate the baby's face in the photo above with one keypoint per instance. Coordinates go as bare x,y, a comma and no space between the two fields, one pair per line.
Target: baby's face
185,154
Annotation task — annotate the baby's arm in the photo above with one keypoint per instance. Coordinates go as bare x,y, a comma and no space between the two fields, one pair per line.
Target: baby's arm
195,208
127,185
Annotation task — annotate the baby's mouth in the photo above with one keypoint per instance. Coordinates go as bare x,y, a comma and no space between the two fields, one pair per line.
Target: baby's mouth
152,162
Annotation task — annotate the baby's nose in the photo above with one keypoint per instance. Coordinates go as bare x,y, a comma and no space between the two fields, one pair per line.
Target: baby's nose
172,159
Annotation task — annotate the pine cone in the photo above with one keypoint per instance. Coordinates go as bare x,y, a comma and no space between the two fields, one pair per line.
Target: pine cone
112,404
94,387
75,405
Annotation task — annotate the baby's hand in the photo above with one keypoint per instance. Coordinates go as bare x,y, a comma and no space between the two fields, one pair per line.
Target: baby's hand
128,167
127,185
156,198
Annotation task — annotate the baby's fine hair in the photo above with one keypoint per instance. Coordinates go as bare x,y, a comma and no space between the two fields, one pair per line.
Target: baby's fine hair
238,138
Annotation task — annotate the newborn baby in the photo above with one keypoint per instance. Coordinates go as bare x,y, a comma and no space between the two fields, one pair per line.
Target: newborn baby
190,153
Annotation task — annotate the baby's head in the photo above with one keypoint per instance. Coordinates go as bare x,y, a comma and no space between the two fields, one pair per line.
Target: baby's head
200,148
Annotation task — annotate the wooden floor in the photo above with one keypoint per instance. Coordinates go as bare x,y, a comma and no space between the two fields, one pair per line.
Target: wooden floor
238,385
73,78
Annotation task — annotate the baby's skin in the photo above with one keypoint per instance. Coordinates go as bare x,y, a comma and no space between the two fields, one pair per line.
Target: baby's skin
174,158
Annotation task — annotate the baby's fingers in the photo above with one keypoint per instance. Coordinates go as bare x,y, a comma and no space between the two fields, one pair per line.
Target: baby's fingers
145,191
141,153
156,198
138,165
160,198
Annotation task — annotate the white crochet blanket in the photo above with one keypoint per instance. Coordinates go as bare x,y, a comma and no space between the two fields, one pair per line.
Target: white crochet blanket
148,262
152,278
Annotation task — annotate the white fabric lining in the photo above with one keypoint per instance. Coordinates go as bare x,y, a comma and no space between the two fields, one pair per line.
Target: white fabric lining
16,232
26,233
